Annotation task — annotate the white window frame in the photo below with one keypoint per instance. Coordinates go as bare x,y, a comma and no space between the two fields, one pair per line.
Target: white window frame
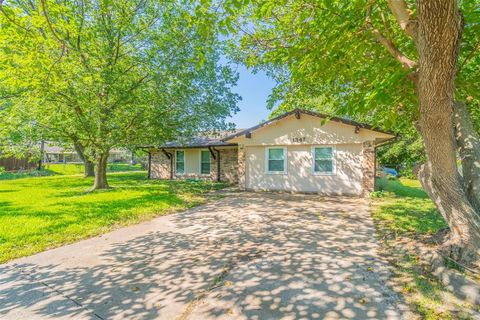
334,160
184,162
200,162
285,156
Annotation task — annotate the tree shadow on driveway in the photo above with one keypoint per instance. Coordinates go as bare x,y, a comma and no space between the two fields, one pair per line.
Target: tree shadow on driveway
253,256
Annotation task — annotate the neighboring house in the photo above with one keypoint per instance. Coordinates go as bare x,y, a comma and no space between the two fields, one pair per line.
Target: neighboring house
299,151
57,154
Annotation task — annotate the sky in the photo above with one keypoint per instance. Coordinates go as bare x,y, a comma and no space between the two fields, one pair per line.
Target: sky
254,90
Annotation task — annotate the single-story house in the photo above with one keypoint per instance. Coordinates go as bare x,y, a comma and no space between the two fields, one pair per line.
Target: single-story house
54,153
299,151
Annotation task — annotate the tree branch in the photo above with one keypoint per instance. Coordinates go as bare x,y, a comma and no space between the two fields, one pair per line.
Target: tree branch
469,56
12,20
407,63
49,23
404,17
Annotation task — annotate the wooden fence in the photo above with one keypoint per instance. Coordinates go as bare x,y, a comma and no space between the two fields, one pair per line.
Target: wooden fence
13,164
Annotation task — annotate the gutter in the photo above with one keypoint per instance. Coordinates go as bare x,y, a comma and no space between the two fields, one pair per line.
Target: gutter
387,142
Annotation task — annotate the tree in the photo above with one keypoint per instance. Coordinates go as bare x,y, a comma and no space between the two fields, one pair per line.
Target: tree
398,63
106,73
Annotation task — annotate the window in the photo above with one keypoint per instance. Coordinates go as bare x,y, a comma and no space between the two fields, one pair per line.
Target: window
276,160
323,160
205,162
180,162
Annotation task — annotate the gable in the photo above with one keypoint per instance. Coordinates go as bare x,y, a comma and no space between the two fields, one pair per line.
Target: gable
308,129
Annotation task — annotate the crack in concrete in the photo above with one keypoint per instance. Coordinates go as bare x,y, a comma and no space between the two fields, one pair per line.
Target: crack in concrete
30,276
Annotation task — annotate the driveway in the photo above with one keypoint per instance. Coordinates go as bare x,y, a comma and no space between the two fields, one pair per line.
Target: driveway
245,256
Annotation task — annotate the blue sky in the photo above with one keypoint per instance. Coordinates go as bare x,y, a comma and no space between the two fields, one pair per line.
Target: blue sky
254,90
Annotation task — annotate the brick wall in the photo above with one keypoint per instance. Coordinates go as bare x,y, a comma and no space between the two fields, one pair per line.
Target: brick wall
228,165
160,167
241,168
368,167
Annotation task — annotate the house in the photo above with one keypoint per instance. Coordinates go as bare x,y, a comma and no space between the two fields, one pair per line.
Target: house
299,151
54,153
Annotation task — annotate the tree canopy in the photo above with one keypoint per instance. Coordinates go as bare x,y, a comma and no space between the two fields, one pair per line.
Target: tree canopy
106,73
329,55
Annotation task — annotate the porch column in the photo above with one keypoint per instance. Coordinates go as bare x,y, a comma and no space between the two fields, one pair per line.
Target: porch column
241,167
368,167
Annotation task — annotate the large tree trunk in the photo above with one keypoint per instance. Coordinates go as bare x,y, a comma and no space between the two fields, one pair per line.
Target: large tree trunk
101,171
468,142
437,40
89,166
42,154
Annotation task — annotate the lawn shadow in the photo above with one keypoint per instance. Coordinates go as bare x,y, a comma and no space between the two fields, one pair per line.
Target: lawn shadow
73,214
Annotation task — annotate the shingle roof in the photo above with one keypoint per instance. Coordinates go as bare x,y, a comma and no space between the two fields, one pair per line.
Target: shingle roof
204,140
221,138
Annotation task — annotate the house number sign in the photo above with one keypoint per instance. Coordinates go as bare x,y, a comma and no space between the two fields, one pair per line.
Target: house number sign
298,139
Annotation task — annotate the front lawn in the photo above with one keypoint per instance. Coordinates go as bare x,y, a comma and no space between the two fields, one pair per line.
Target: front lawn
402,206
77,168
65,169
45,212
404,214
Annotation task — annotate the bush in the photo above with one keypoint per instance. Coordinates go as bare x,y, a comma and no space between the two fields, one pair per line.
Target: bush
2,170
378,194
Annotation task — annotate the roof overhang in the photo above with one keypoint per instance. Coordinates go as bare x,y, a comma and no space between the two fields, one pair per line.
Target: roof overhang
298,112
217,145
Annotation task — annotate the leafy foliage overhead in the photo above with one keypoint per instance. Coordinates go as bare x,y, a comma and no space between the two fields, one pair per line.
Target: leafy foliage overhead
324,55
111,73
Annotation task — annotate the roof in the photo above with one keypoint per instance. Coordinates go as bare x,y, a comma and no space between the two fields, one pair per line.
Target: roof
298,112
220,138
215,139
54,147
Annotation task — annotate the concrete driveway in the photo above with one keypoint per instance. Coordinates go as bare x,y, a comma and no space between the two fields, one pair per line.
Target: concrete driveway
246,256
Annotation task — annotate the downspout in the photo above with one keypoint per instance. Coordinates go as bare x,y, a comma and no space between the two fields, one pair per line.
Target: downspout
218,164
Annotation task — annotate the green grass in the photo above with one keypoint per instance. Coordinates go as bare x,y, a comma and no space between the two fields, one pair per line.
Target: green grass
66,169
403,206
45,212
24,174
77,168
